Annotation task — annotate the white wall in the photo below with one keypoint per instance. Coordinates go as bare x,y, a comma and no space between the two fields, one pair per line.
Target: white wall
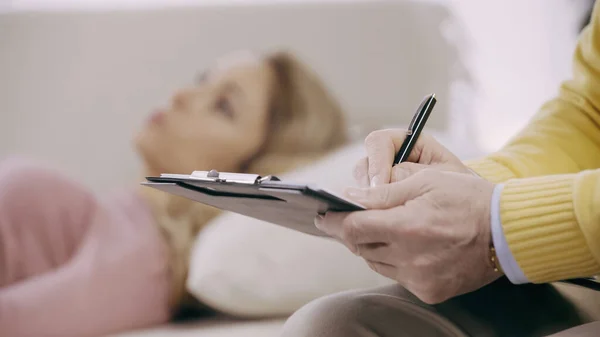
521,51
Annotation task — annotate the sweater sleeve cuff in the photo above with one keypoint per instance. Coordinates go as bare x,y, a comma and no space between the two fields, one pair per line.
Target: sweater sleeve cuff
539,223
490,170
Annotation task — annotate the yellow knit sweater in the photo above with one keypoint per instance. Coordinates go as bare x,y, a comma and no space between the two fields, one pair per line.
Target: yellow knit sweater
550,205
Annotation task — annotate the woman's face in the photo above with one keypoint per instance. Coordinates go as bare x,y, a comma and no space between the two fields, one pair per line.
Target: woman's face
216,124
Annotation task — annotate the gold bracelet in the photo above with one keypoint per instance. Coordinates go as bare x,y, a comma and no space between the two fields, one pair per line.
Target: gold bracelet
494,260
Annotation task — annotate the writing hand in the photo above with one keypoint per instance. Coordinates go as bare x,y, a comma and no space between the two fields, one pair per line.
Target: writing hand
429,231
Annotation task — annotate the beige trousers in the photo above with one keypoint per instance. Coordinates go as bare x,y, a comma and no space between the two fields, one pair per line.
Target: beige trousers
500,309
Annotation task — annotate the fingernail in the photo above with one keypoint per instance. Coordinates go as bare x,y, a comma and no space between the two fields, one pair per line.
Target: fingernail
375,181
319,221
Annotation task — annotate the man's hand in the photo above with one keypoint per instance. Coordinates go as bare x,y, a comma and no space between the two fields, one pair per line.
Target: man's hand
429,231
376,169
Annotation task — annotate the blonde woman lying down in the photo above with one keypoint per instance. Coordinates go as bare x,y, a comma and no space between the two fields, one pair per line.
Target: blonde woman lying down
73,263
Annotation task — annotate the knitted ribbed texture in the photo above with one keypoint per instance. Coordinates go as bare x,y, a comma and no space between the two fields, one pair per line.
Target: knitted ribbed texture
541,228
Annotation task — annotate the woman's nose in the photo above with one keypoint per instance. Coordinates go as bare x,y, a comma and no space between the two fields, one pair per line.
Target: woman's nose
178,99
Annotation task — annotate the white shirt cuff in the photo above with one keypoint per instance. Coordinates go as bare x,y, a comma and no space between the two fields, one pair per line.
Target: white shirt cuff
505,257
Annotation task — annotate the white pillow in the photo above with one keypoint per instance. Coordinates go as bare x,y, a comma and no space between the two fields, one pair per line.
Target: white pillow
249,268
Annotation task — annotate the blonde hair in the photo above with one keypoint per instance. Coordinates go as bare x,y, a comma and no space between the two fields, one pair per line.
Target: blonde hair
305,123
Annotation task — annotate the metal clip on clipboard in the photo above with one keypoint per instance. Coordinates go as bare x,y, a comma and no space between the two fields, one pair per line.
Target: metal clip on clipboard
223,177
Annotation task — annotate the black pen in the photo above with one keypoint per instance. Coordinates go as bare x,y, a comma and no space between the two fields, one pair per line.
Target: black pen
414,129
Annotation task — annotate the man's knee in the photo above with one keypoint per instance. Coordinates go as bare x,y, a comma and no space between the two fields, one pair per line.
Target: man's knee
331,316
384,312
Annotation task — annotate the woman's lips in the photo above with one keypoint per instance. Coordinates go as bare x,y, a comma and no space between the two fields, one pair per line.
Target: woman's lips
157,117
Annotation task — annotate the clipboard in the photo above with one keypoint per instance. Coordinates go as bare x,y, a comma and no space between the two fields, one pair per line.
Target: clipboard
269,199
